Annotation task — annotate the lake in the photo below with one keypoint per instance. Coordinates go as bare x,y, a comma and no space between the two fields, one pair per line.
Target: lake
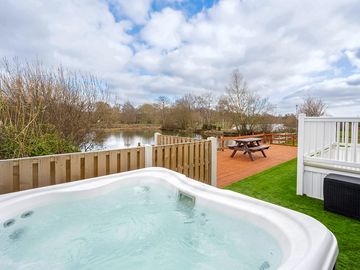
103,140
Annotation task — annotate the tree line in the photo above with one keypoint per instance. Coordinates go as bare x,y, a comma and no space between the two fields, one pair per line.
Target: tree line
239,108
53,110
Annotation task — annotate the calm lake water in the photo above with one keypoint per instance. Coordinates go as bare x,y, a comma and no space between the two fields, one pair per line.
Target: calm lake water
129,138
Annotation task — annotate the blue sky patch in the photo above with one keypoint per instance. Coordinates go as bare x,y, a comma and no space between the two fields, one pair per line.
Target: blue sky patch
345,66
188,7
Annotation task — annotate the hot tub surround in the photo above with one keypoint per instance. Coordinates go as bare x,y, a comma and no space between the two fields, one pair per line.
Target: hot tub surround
305,243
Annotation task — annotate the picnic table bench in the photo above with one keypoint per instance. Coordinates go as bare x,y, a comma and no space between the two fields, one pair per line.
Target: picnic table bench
249,146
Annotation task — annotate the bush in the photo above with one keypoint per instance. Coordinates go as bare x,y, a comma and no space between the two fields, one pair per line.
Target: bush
34,97
14,144
50,144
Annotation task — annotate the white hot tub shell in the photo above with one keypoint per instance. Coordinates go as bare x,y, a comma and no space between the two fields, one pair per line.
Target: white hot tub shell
305,243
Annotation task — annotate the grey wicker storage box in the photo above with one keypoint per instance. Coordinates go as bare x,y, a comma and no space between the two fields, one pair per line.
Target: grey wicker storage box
342,195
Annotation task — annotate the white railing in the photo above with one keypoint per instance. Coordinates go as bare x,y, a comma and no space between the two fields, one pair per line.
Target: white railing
328,141
334,139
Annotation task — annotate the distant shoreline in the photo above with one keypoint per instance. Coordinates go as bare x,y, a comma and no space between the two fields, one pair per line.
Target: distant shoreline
156,127
129,127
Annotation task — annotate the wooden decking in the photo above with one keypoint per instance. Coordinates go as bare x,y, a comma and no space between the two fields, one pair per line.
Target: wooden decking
230,170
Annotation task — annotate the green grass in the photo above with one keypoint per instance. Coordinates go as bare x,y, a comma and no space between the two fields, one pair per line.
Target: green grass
277,185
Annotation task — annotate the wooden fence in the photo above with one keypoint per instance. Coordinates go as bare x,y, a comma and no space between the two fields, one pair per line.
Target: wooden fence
26,173
281,138
194,158
167,139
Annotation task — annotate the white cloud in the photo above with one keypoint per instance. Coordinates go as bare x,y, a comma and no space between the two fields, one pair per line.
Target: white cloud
285,49
354,57
78,35
164,29
137,10
342,94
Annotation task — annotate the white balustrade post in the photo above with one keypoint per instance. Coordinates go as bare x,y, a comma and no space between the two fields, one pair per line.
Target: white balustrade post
213,160
156,138
300,156
148,156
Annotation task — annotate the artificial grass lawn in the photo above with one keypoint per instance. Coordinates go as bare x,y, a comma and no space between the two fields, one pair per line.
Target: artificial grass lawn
277,185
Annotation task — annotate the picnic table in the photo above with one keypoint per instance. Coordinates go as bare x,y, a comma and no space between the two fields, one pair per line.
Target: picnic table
249,146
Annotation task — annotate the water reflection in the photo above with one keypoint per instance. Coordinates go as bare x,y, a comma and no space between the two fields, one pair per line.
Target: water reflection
102,140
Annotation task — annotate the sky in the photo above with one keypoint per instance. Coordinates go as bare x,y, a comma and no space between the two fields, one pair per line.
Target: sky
287,50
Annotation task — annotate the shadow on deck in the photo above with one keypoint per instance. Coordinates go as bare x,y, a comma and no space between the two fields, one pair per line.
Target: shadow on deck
230,170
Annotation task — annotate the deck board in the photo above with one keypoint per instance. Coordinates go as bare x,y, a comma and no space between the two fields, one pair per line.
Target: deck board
230,170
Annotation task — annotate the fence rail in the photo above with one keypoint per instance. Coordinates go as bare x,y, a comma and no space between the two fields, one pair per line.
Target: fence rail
332,139
194,158
168,139
326,145
272,138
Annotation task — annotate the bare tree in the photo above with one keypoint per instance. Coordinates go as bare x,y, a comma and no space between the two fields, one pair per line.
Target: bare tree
163,102
313,107
129,113
37,102
243,106
183,112
148,113
204,104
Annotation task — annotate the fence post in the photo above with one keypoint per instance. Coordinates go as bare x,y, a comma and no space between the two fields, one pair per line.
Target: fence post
156,138
293,139
148,155
222,143
213,160
300,159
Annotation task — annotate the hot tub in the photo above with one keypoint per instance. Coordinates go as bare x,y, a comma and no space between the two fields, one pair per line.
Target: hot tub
155,218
